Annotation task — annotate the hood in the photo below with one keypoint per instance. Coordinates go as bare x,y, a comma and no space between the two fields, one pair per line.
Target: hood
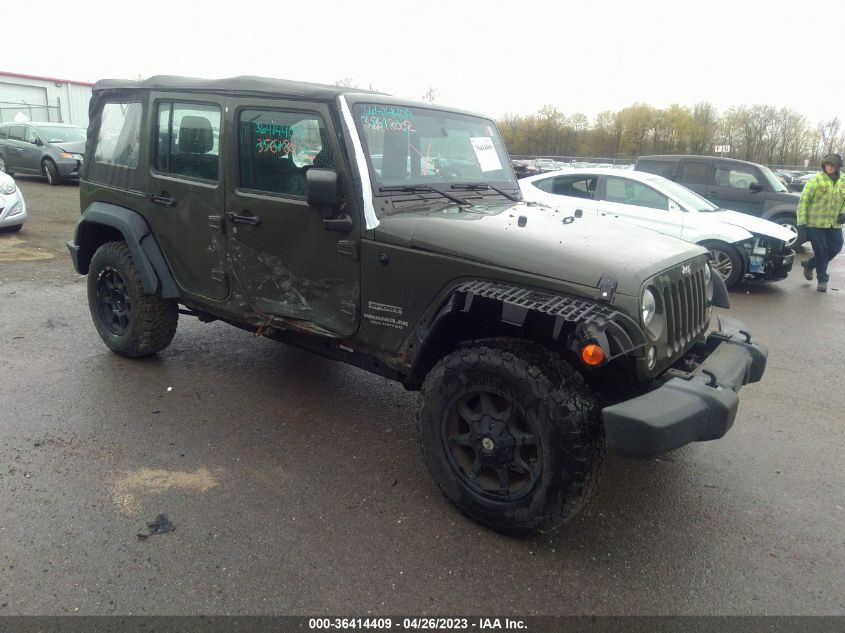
752,224
75,147
580,252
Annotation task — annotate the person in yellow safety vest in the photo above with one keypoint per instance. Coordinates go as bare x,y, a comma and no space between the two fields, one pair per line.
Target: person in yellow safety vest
822,211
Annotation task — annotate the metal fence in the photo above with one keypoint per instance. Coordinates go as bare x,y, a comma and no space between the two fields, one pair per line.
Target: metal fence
14,110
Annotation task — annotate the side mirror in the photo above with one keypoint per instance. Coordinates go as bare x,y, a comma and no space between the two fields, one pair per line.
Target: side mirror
755,187
38,142
323,188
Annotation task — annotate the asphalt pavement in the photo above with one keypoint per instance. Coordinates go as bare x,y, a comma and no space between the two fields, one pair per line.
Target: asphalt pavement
295,484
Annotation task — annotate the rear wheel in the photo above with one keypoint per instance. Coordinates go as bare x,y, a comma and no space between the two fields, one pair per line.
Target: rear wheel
511,434
52,172
130,321
726,261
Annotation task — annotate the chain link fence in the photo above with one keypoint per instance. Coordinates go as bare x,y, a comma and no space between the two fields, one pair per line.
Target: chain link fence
22,110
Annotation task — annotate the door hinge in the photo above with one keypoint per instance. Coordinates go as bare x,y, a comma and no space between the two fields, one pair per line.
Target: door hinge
220,277
348,248
217,222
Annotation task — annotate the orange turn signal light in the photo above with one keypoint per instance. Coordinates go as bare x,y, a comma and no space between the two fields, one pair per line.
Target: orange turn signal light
592,355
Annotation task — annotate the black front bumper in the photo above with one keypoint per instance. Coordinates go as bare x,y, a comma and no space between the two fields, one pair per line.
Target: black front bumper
690,407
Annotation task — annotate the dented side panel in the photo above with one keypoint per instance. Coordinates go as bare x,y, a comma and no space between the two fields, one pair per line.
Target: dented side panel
284,261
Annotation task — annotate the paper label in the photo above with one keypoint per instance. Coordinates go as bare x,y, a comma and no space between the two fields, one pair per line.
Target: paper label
485,152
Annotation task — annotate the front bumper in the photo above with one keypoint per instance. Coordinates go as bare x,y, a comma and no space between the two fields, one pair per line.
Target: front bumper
771,267
690,406
68,168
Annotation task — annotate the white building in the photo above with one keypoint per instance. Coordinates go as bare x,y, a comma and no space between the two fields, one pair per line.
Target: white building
33,98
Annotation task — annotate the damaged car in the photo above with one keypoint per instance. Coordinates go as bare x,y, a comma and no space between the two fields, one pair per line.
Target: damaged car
743,247
405,249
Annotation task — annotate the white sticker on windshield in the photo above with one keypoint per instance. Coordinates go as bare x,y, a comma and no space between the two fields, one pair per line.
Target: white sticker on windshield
485,152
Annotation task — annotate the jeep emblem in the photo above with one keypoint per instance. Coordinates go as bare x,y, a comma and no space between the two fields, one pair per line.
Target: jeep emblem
686,269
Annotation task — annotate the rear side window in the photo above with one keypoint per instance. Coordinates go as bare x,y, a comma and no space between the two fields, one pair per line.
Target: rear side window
575,186
660,167
16,132
276,148
693,173
188,140
734,177
636,193
119,140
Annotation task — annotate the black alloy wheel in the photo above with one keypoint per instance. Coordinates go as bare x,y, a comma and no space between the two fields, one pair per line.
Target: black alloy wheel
493,445
114,301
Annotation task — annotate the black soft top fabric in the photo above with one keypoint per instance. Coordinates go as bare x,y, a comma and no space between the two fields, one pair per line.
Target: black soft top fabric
243,85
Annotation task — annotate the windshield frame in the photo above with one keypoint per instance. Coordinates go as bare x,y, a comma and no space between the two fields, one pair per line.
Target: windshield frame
681,195
42,132
510,184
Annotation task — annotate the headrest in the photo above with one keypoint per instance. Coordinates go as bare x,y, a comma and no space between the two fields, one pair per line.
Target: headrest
195,135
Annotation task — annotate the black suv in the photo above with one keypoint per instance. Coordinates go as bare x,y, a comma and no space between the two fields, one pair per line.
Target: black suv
731,184
390,234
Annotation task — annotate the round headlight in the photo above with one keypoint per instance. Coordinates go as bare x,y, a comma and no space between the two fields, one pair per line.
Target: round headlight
649,304
708,282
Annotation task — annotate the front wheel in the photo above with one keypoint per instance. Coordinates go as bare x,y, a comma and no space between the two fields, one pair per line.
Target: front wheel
130,321
511,434
726,261
52,173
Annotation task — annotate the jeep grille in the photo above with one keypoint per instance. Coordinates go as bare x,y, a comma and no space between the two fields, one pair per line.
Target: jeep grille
686,308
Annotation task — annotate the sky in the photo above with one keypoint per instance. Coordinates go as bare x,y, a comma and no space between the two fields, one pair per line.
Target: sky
483,55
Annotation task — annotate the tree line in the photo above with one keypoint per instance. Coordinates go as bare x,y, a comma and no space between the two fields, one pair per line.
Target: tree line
758,133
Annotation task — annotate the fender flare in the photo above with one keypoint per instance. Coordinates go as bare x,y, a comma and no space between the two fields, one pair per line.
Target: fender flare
595,321
782,209
148,257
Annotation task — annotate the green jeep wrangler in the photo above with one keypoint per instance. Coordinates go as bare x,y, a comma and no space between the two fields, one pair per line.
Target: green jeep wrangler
390,235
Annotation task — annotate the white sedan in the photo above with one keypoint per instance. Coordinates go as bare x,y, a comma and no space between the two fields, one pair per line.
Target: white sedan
12,206
743,246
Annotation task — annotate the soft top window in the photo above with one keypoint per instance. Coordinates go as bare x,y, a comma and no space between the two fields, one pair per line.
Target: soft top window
119,140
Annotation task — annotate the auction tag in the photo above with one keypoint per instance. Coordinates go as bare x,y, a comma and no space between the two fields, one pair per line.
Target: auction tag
485,152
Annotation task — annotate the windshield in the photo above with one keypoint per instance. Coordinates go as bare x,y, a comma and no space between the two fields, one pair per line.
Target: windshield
408,146
682,195
62,134
774,181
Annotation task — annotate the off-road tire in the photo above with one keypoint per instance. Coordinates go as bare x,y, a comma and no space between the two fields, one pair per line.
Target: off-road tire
151,320
721,250
52,173
546,390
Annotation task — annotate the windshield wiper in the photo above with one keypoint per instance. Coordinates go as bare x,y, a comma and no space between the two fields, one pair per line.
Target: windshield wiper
423,189
480,186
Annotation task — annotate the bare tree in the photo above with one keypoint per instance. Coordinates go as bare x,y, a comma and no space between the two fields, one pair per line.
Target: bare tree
430,94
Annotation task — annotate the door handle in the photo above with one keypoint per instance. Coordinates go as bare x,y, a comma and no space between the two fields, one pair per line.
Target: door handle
251,220
164,199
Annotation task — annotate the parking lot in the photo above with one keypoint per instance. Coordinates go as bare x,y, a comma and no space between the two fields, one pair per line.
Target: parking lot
295,484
